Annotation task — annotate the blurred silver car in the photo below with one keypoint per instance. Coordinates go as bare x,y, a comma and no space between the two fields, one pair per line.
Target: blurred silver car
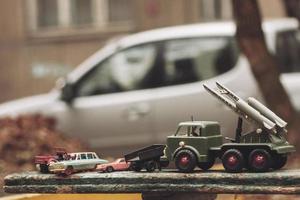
135,90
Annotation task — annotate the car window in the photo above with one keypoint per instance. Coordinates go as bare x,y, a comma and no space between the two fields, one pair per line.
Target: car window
196,59
183,131
90,156
124,71
94,156
288,51
83,156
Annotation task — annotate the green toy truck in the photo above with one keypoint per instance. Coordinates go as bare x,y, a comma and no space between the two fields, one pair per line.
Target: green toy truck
199,143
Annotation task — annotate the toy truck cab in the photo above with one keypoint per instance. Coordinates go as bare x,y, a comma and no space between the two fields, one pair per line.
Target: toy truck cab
190,145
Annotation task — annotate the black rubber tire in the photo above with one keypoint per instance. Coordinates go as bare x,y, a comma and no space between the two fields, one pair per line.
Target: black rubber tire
164,163
206,165
233,161
44,168
279,161
150,166
185,161
109,169
68,171
259,160
135,167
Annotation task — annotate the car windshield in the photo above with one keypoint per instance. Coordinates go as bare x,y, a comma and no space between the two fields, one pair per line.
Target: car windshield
191,131
288,51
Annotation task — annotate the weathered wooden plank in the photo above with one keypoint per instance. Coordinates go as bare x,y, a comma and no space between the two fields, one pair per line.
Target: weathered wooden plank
213,182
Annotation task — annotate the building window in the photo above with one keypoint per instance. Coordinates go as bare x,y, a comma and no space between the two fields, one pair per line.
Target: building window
47,13
211,10
81,12
73,14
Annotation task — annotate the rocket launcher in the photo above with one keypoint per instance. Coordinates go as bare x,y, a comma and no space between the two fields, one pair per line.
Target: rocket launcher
253,111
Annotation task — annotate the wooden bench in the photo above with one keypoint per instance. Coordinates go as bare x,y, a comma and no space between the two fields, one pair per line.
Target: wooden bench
158,185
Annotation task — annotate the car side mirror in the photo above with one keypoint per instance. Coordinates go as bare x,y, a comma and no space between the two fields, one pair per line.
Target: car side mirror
68,92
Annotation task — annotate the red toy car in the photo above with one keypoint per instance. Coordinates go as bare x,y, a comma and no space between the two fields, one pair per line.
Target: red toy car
118,165
42,162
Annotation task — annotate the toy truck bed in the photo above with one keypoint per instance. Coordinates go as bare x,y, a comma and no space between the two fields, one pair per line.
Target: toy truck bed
147,153
148,158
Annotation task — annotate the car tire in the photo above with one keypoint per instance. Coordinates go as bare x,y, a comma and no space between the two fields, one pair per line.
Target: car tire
69,171
109,169
233,161
279,161
185,161
150,166
44,168
206,165
135,167
259,160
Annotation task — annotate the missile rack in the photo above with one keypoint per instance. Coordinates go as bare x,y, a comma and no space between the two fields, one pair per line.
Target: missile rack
264,148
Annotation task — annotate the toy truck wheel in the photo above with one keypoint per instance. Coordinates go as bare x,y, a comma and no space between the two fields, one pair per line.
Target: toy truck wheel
150,166
233,160
109,169
135,167
44,168
279,161
185,161
206,165
68,171
259,160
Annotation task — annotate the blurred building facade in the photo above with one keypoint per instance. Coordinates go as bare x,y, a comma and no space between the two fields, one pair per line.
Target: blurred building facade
41,40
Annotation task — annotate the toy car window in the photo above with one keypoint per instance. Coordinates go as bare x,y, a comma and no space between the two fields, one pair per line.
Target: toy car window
196,59
94,156
288,51
83,156
90,156
73,157
183,131
194,131
126,70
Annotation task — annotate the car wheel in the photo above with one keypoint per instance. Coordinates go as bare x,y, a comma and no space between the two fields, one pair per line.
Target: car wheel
150,166
206,165
69,171
109,169
233,160
135,167
259,160
185,161
279,161
44,168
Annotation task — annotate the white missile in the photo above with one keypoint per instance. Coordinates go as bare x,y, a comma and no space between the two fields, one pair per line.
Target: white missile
255,115
266,112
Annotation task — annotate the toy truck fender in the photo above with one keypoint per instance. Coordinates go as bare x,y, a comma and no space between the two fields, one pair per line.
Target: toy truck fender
200,158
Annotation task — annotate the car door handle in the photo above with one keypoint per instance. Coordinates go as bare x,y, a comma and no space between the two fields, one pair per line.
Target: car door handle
137,111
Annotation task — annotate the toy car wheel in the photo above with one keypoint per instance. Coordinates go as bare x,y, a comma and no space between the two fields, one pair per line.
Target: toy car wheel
150,166
44,168
233,160
206,165
109,169
185,161
68,171
135,167
259,160
279,161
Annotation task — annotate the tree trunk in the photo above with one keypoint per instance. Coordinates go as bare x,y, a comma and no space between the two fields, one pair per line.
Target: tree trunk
252,43
292,8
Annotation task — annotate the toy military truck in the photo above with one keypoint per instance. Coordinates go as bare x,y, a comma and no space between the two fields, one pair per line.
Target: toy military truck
199,143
